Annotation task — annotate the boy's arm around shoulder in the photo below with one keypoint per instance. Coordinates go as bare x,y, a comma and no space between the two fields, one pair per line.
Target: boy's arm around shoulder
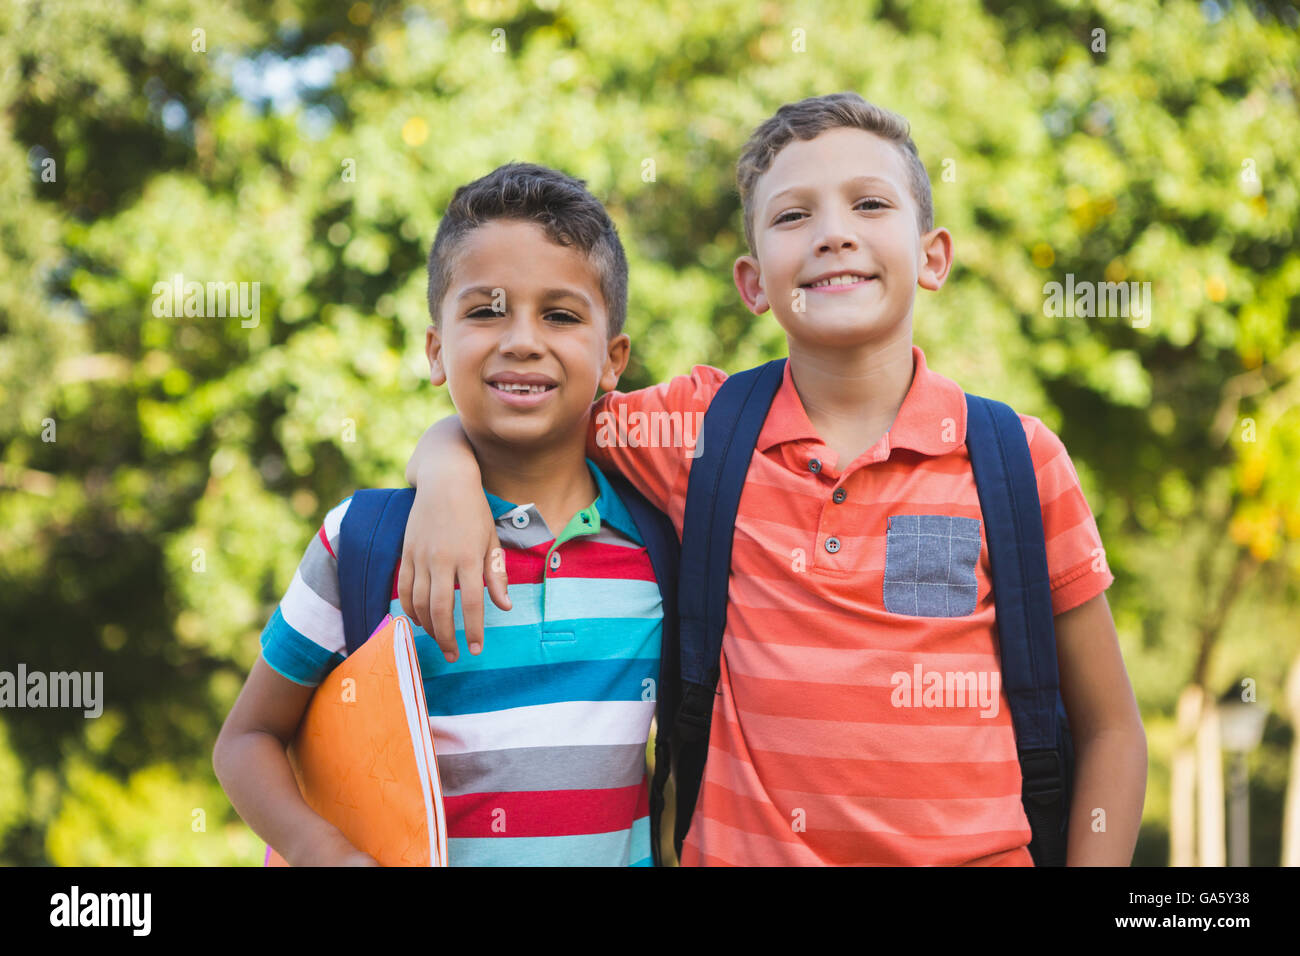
649,435
1110,746
253,768
450,538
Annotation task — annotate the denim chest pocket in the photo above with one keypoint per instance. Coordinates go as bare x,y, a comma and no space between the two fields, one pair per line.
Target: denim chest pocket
930,565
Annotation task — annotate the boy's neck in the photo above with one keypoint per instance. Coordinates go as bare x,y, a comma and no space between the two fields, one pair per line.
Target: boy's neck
555,479
852,396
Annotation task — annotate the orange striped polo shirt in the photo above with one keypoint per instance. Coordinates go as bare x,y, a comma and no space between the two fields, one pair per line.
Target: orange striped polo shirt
861,717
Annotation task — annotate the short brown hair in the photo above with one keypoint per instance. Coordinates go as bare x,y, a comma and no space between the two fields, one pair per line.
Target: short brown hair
806,119
560,204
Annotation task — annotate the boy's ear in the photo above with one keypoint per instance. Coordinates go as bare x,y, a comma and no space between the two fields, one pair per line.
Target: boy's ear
748,280
433,349
619,350
935,260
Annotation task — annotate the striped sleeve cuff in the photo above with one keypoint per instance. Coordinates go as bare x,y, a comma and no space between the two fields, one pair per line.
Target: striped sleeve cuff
294,656
1081,584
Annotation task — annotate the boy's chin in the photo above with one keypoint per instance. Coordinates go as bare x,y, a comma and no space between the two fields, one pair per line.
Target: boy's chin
527,435
829,331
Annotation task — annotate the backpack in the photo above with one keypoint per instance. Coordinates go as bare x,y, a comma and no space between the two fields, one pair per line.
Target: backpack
370,545
1008,495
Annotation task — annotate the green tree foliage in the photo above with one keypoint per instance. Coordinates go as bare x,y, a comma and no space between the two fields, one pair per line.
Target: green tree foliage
160,475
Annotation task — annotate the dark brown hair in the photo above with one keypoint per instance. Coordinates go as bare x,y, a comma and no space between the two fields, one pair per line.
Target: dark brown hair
560,204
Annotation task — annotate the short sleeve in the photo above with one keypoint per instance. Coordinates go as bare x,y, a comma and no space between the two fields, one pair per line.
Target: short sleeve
1076,560
648,435
304,640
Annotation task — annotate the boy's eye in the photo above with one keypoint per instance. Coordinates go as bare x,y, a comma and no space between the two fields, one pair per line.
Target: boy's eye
873,203
486,312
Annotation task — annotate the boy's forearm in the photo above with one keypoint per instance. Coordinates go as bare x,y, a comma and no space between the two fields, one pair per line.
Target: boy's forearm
254,771
1110,775
443,445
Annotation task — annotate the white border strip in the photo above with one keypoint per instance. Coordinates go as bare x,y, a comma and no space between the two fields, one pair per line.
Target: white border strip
417,721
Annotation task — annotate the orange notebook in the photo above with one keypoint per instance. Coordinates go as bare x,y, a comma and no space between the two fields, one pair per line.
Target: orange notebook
364,758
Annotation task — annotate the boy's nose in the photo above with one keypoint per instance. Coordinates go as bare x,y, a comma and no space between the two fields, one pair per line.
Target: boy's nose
836,239
836,231
521,335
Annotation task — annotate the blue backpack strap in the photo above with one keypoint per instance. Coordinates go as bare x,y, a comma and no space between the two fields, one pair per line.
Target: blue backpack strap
370,545
664,550
730,430
1013,530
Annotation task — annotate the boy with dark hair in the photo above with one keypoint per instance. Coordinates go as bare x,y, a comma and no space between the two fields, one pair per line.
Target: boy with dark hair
540,737
862,715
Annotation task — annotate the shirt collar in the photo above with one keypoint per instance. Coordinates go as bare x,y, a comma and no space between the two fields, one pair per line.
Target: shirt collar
609,507
931,420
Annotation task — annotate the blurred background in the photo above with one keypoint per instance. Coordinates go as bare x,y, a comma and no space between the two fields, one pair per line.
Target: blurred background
161,474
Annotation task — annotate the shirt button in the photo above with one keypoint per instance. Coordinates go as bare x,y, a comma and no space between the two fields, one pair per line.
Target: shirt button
832,545
840,495
815,466
520,519
555,560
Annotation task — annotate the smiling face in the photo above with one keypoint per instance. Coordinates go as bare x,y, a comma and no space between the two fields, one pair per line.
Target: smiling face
523,340
838,250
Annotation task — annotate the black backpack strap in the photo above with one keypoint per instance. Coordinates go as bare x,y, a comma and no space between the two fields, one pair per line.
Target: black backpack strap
370,545
664,550
1013,529
727,438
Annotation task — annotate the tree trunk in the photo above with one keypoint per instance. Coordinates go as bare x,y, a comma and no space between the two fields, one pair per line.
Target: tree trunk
1196,813
1212,845
1182,803
1291,813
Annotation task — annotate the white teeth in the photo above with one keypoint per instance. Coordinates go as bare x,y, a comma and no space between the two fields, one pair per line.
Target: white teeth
521,389
838,280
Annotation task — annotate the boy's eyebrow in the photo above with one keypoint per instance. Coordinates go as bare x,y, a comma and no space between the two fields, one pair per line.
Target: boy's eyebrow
855,181
549,295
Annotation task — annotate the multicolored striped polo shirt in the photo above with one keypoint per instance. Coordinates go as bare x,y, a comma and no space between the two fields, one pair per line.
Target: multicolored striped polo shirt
541,738
860,717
